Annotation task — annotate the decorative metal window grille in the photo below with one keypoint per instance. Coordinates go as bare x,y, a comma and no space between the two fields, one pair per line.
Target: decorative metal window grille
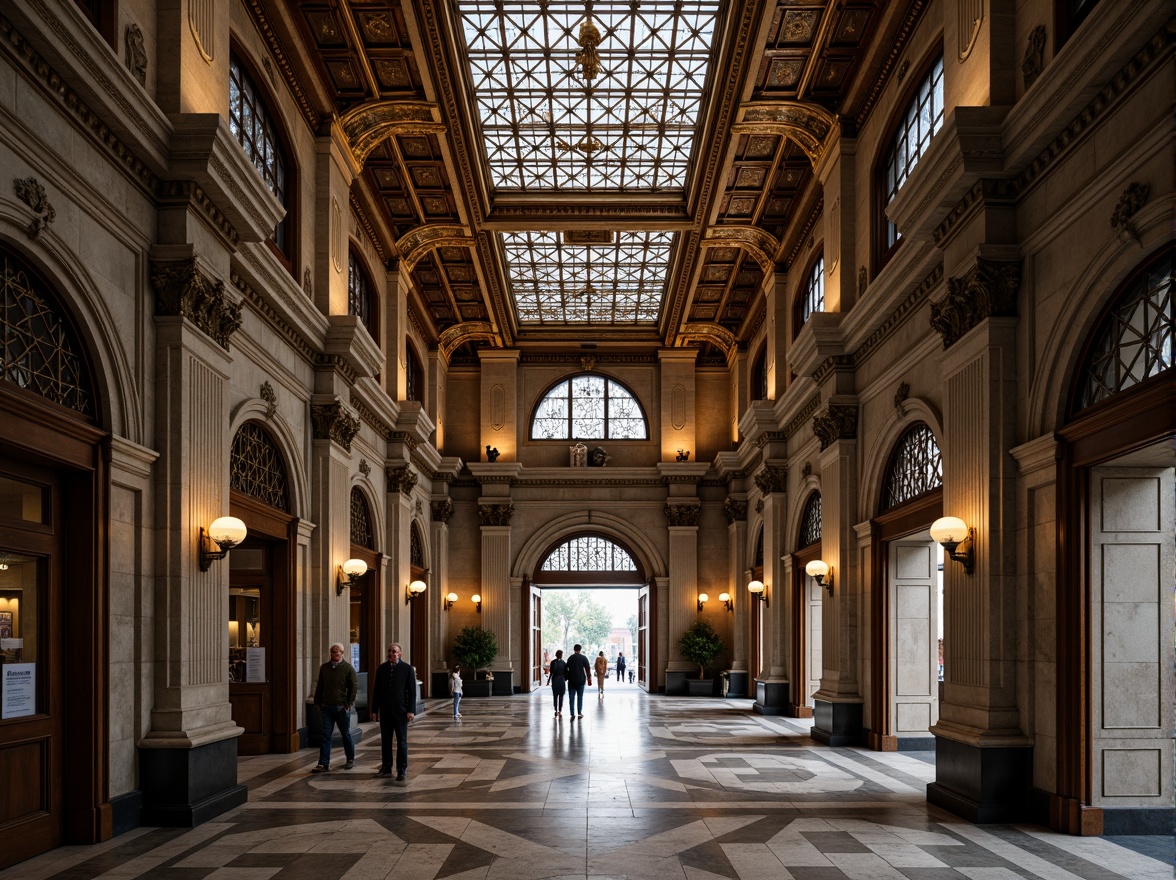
915,469
922,119
414,375
256,468
814,291
1134,342
361,522
40,350
589,407
250,123
416,547
359,301
589,553
810,521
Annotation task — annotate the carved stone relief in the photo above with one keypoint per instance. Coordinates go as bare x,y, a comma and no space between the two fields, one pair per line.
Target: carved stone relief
1033,61
838,422
988,291
30,191
331,421
401,480
683,514
495,514
1132,199
734,510
181,290
771,479
267,394
442,510
135,51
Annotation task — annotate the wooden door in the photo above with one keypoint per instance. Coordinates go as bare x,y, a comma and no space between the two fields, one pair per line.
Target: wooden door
250,644
538,661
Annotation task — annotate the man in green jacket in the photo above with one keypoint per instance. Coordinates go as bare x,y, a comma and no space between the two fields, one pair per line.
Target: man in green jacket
335,695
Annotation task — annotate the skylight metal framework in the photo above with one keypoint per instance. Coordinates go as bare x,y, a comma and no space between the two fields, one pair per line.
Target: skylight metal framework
628,127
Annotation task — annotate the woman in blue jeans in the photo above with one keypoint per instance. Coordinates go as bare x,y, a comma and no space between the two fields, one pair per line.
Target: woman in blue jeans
557,677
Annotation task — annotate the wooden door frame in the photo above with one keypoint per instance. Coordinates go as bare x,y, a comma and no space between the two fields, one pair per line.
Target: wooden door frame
798,706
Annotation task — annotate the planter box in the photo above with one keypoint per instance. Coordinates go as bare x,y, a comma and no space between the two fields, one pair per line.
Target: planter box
700,687
477,688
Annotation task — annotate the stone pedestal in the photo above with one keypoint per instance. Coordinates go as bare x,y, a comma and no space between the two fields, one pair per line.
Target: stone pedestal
837,724
503,684
676,683
981,784
771,697
183,788
737,683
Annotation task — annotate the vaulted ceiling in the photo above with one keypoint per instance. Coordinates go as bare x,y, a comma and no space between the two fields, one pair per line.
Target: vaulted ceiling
619,173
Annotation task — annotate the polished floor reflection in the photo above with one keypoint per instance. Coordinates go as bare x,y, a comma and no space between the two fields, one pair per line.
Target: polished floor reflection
653,788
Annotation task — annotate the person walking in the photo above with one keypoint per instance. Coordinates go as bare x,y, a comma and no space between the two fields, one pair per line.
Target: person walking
455,691
393,705
557,677
601,670
579,677
621,668
334,694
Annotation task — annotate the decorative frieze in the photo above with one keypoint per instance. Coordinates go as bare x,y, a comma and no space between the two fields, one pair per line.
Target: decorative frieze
735,510
988,291
401,479
442,510
331,421
838,422
772,479
30,191
180,290
495,514
683,514
802,416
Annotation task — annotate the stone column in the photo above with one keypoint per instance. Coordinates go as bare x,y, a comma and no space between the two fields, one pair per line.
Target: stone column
773,686
335,169
440,638
735,510
677,402
837,173
682,512
499,606
394,305
779,320
401,481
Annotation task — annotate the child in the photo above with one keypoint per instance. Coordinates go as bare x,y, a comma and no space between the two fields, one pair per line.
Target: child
455,690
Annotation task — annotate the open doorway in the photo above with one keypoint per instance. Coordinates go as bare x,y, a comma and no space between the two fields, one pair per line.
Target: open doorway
603,620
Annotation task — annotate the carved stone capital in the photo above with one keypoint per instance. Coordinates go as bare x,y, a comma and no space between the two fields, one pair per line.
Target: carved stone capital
735,511
683,514
988,291
181,290
771,479
401,480
495,514
839,421
442,510
331,421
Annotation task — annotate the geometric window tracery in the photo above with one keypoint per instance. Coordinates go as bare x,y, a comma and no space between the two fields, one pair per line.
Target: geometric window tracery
588,406
361,521
589,553
810,521
39,349
256,468
416,547
1134,342
923,118
915,468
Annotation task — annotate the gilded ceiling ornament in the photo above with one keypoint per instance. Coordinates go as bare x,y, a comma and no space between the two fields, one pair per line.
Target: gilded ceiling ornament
720,337
453,337
587,58
587,363
760,244
367,125
807,124
989,290
180,290
30,191
415,244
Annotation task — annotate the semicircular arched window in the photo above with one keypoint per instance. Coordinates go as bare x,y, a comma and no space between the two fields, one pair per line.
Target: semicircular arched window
589,406
1133,342
810,521
361,521
589,559
416,547
40,350
915,468
256,467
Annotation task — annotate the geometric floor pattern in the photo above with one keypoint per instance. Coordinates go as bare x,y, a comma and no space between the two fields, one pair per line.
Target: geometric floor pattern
643,788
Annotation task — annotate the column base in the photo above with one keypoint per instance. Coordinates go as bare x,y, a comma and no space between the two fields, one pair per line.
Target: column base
503,684
737,683
183,788
439,685
837,724
771,697
981,784
676,684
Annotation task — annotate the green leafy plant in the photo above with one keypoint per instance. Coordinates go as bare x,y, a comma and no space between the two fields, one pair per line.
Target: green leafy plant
475,648
700,644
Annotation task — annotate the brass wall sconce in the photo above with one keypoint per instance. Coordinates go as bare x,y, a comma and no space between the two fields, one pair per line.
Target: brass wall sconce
413,590
822,573
450,598
226,532
349,574
759,591
477,600
725,598
956,538
703,598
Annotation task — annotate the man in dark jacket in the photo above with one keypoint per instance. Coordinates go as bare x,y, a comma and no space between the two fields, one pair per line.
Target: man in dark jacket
620,667
393,702
334,694
579,676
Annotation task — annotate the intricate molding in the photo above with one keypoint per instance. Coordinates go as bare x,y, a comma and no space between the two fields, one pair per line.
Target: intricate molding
831,365
1133,198
901,313
401,479
188,192
718,336
409,440
683,514
735,510
459,334
309,113
766,437
272,319
415,244
838,422
802,416
30,191
601,358
368,227
806,124
495,514
988,291
1033,61
897,47
442,510
338,364
267,394
760,244
181,290
135,54
367,125
772,479
332,421
364,467
803,235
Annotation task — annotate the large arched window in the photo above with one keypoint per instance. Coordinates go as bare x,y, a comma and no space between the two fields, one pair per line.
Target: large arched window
589,559
813,294
1133,341
361,521
256,467
810,521
251,122
915,468
359,293
588,406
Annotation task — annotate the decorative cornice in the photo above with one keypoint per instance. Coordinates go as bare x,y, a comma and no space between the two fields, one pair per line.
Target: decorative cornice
261,20
272,319
368,227
683,514
808,125
418,242
188,192
331,421
337,363
900,314
370,123
459,334
762,245
371,418
735,510
766,437
575,358
839,421
401,479
718,336
802,235
897,47
442,510
983,191
989,290
495,514
831,365
802,416
411,441
772,479
181,290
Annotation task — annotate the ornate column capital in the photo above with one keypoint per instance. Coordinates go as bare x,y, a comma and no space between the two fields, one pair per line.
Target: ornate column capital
496,514
771,479
332,421
989,290
442,510
181,290
838,422
401,479
683,514
735,510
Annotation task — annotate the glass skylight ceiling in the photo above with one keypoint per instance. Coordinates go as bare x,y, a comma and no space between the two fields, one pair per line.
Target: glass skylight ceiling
629,127
558,283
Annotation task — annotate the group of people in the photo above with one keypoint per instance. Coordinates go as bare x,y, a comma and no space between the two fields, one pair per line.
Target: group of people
571,676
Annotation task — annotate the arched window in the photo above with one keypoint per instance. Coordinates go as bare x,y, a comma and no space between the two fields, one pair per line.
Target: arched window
361,521
915,468
813,296
589,559
40,350
588,406
252,124
416,547
920,121
759,375
810,521
414,375
1133,341
359,298
758,560
256,467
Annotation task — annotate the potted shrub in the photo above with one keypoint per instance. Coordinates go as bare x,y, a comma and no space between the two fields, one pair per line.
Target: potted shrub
475,648
700,644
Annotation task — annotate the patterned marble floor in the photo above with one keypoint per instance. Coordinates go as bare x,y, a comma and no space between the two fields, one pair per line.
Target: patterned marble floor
641,788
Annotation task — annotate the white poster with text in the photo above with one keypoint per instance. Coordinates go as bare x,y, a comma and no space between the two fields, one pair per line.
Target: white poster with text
20,690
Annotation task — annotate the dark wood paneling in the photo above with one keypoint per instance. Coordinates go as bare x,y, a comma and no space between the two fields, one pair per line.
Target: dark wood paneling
24,777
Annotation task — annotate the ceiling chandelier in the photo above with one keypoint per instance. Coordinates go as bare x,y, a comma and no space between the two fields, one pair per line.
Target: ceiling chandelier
588,59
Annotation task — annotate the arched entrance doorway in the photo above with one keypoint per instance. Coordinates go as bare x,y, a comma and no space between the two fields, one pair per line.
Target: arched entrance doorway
807,612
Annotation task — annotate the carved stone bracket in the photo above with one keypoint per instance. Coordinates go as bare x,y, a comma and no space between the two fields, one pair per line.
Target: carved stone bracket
271,399
1132,199
988,291
181,290
364,467
838,422
772,479
734,510
442,510
683,514
30,191
401,480
331,421
495,514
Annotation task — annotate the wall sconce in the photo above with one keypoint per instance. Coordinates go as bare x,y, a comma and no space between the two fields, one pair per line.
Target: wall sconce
226,532
725,598
349,572
956,537
820,572
450,598
413,590
703,598
758,591
477,600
